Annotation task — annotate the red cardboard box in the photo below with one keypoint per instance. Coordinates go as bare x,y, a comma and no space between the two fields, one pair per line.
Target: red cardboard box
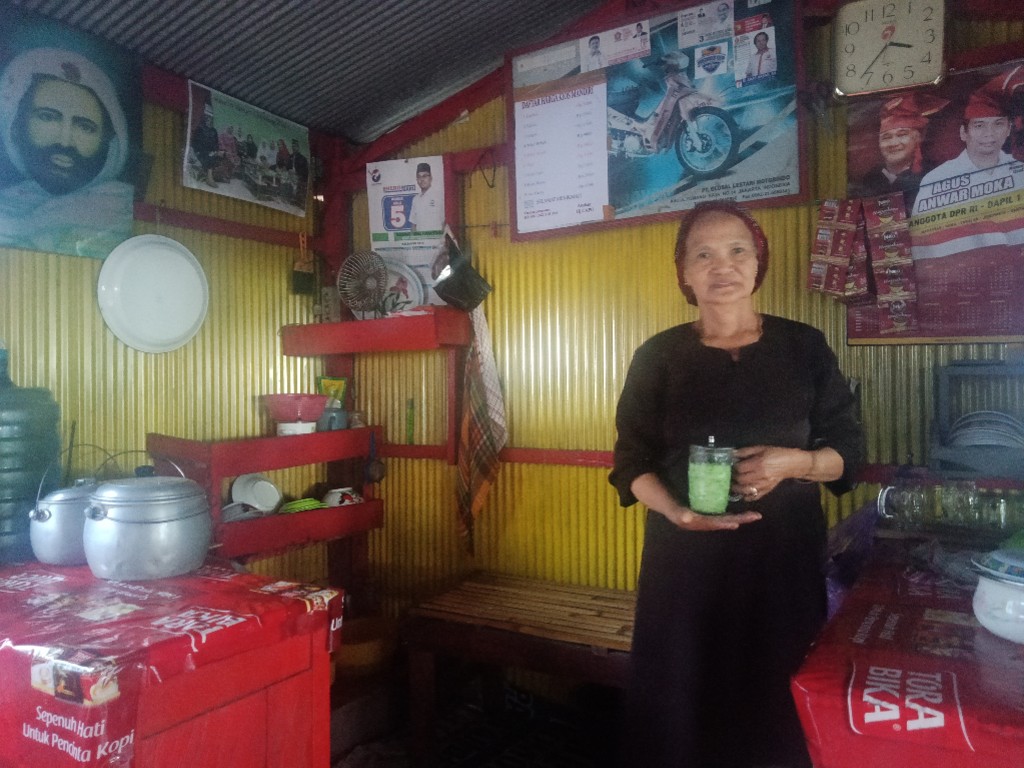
905,677
213,669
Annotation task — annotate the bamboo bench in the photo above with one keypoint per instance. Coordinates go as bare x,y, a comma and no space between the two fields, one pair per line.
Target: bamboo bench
578,632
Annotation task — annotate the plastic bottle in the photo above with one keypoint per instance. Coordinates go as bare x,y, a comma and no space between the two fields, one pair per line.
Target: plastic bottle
29,444
5,374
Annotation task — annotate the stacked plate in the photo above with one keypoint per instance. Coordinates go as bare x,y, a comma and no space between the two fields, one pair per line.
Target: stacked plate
987,428
1003,564
301,505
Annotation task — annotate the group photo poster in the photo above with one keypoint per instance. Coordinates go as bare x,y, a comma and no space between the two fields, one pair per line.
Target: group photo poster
238,150
70,138
656,115
406,200
955,153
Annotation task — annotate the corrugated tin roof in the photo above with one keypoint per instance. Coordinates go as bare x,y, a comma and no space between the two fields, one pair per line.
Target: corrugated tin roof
350,68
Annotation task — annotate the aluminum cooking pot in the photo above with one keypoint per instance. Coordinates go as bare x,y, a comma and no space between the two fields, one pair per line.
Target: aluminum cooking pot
147,528
57,524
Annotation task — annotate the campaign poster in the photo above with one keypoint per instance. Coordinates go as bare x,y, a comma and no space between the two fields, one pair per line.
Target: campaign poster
70,138
955,152
653,116
238,150
407,222
614,46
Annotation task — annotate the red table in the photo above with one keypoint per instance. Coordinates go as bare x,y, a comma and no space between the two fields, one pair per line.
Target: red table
217,668
904,675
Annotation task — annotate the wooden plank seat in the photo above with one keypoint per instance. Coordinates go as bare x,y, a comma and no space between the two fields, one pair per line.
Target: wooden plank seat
583,633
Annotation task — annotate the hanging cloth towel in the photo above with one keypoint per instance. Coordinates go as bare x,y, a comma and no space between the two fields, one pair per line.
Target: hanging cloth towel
483,431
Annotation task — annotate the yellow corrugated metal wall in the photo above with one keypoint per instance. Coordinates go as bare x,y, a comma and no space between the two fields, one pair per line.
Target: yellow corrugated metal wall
206,389
565,315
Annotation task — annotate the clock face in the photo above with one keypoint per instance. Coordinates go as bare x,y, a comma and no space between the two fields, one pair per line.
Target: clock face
882,45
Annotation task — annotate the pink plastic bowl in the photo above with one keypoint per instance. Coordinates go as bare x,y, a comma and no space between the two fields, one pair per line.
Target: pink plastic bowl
295,407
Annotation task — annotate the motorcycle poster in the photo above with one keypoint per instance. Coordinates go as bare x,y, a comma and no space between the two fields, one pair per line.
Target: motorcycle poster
653,116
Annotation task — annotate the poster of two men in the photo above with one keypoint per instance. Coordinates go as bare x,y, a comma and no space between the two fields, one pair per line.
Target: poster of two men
956,154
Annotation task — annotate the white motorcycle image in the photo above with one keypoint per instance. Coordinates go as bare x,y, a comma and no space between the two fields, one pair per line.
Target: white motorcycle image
704,135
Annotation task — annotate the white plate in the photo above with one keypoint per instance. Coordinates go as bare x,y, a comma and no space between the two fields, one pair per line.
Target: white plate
1003,564
236,510
404,291
152,293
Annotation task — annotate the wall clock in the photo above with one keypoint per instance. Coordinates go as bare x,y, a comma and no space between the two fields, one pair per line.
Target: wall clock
884,45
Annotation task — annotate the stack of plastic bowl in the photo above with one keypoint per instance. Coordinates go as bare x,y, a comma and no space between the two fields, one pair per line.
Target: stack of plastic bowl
999,596
295,414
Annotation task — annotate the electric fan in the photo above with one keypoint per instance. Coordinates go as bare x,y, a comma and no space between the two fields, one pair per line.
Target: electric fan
362,281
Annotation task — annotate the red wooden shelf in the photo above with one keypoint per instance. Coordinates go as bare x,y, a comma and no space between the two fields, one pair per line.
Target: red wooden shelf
210,462
439,327
280,531
228,458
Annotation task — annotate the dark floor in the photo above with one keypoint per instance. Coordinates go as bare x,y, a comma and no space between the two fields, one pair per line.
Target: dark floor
525,732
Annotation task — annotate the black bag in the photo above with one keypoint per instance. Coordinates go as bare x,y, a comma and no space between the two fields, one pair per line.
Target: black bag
459,283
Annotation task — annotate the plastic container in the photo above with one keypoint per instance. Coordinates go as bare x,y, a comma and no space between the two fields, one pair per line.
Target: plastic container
999,607
29,444
295,407
331,419
5,373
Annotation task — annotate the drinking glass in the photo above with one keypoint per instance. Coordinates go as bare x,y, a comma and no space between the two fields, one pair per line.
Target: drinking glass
710,478
960,502
905,503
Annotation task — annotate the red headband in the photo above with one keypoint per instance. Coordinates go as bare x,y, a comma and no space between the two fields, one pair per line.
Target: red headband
731,208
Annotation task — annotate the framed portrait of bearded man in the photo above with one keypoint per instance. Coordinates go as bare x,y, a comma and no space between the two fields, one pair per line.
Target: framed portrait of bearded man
70,136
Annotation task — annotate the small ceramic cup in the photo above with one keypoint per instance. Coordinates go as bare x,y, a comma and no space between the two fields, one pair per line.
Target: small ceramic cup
340,497
331,419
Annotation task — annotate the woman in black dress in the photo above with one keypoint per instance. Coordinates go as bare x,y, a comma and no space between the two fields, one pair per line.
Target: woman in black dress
728,604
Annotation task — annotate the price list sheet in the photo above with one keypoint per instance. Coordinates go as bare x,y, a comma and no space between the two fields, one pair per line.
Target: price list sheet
561,154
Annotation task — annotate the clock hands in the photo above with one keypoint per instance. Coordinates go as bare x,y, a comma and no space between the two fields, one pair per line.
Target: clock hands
867,69
890,42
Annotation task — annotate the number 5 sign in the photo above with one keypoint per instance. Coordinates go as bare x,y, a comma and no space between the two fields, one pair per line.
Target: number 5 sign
406,203
395,212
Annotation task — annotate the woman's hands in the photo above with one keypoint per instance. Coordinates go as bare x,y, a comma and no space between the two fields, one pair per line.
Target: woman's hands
759,468
687,519
650,490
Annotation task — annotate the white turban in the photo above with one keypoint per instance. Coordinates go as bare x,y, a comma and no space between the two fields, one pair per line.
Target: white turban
72,68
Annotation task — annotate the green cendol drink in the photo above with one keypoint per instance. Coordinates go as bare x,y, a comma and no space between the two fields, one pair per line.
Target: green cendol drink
710,477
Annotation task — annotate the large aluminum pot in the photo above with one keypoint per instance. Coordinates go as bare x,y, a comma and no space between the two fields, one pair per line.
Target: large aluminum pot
147,528
57,524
